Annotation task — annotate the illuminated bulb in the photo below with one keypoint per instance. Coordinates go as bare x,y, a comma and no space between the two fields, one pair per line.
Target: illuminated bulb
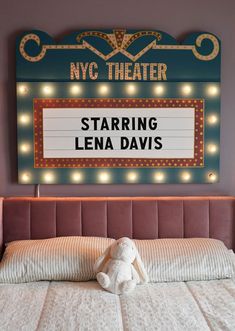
23,89
131,89
104,177
211,148
132,176
103,89
47,90
159,176
25,177
77,177
25,148
212,177
24,119
48,177
213,90
212,119
159,90
185,176
75,89
186,89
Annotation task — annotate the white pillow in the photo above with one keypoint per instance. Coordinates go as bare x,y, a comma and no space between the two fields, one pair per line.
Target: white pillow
170,260
72,258
62,258
232,255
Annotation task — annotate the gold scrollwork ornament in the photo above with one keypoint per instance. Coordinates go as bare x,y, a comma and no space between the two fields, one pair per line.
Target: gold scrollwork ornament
121,47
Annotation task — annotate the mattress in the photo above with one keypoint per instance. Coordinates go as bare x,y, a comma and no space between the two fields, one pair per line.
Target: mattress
204,305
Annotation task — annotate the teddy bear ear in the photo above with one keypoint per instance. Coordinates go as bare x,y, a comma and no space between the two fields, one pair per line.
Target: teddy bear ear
139,266
100,262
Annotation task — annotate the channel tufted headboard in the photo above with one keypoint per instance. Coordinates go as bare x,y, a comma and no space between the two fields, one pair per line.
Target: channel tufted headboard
140,218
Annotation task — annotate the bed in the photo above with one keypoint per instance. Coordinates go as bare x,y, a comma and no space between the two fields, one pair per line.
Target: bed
67,305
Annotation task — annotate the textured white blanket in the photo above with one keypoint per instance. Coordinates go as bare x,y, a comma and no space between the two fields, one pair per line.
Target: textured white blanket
68,306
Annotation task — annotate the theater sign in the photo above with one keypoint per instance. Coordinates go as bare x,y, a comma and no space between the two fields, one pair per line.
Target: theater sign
118,106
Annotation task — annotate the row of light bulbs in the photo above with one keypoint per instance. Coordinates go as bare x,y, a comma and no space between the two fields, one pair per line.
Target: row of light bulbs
49,177
105,177
131,89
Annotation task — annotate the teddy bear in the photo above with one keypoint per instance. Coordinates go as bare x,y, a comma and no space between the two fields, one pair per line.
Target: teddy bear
119,269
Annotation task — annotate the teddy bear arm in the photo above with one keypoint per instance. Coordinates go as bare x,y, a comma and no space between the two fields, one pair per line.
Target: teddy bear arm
106,266
135,275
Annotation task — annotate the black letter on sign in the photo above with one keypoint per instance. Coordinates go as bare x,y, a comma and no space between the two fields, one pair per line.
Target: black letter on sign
124,143
84,120
77,144
158,142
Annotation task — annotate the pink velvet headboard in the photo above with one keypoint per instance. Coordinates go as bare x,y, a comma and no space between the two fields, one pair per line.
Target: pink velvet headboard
140,218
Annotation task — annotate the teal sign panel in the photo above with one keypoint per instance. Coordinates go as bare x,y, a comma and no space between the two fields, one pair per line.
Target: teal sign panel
118,106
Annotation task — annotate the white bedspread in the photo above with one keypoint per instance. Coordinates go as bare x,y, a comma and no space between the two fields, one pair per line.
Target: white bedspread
205,305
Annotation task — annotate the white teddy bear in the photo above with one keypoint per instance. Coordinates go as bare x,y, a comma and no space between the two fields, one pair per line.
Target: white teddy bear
120,268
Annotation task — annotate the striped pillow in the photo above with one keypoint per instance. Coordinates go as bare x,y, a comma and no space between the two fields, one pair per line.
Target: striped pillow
169,260
62,258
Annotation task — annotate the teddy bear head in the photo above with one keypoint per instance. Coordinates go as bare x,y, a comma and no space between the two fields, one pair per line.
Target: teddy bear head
123,249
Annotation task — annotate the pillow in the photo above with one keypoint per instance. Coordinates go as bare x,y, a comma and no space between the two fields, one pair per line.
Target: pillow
62,258
232,255
171,260
72,259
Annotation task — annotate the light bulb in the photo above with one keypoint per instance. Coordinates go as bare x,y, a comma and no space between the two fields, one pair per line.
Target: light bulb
186,89
76,177
24,119
185,176
104,177
75,89
212,119
131,89
212,177
159,177
23,89
159,89
25,148
103,89
25,177
212,148
47,90
48,177
132,176
213,90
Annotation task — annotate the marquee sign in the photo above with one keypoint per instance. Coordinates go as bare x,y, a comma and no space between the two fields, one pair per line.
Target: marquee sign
118,107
